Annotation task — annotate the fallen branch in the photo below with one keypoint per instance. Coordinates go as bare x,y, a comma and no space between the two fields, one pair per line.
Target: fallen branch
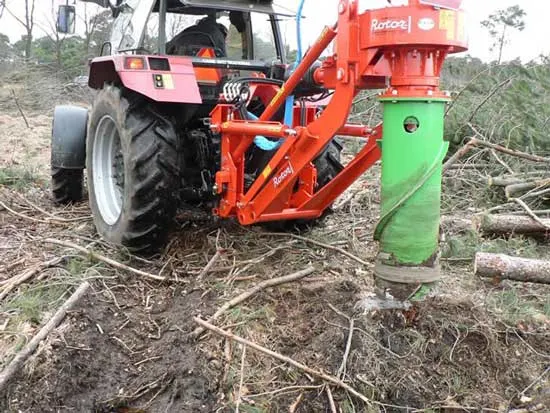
502,149
17,214
536,212
536,194
513,224
210,264
530,212
19,108
284,359
512,268
25,275
331,400
517,178
523,187
322,245
488,97
107,260
343,367
256,289
457,155
537,408
21,357
500,161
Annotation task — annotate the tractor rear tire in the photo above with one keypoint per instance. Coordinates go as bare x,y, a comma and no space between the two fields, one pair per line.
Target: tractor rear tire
328,166
132,165
67,185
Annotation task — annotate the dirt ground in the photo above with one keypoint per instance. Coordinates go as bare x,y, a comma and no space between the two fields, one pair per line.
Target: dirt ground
127,347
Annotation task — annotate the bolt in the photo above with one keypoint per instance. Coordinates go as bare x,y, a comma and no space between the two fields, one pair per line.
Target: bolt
394,92
342,7
430,92
448,93
340,74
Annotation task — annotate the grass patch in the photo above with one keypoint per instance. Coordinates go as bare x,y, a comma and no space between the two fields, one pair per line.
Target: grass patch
31,303
18,177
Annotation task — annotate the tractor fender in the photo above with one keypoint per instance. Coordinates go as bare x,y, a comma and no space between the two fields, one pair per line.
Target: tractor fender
69,137
174,83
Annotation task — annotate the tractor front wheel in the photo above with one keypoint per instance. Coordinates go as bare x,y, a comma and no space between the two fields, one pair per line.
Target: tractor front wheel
132,166
67,185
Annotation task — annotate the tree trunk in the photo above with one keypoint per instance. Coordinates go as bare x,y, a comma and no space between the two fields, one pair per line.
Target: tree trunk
512,268
512,224
28,45
502,42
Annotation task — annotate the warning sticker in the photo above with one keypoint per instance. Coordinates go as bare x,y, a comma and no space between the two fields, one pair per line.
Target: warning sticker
168,81
447,22
267,172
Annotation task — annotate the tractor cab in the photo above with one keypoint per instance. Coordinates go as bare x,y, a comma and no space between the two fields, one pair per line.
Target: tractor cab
224,38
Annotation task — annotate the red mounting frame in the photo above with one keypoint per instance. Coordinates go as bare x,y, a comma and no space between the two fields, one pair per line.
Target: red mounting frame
402,48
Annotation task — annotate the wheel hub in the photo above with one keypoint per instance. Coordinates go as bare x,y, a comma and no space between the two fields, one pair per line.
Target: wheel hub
108,170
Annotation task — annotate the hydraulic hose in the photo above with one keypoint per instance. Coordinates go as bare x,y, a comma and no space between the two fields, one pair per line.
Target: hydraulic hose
261,141
289,104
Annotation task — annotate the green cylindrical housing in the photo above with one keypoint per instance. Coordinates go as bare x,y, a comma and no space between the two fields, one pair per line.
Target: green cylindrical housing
412,153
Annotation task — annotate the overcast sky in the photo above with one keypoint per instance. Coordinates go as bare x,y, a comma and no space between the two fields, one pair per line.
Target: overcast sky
526,45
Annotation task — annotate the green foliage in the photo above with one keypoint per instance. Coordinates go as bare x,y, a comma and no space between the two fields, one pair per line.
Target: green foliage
101,24
31,303
6,48
18,177
509,104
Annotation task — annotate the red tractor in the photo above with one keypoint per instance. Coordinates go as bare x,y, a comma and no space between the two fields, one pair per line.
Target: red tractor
196,106
147,144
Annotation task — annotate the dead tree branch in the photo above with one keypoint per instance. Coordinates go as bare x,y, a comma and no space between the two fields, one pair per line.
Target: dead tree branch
502,149
21,357
488,97
531,213
322,245
331,379
256,289
210,264
457,155
25,275
106,260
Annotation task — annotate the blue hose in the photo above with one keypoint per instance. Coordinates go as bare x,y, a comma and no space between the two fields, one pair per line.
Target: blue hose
261,141
289,104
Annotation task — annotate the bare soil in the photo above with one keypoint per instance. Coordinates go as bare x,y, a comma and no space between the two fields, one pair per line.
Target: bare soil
475,346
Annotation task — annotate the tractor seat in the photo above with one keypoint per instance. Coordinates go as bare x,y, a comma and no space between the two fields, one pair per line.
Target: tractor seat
190,43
